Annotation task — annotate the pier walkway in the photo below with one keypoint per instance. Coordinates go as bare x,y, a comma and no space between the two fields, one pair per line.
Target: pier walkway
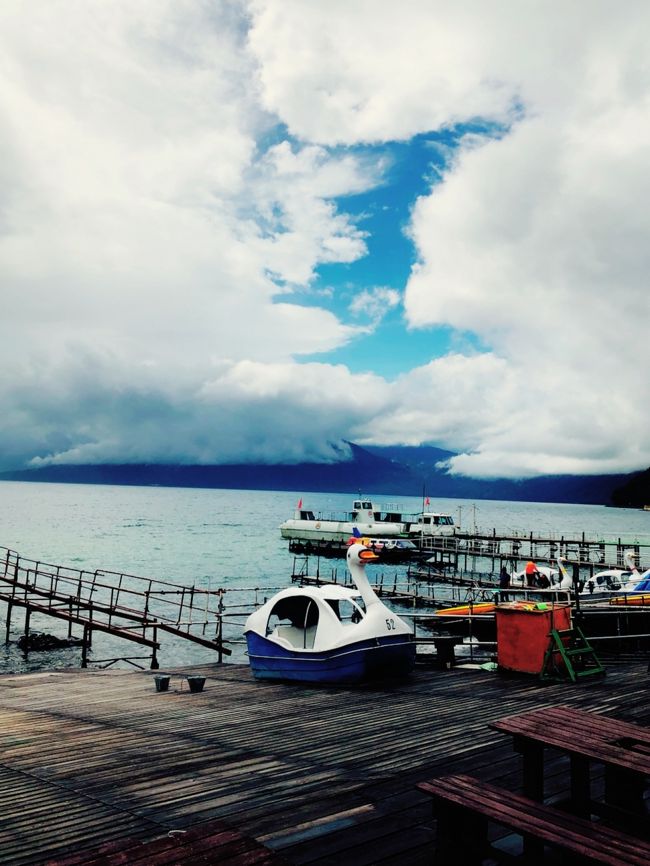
134,609
469,552
319,775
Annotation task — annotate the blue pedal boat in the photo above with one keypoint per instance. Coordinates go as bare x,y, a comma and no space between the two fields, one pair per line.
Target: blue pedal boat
330,634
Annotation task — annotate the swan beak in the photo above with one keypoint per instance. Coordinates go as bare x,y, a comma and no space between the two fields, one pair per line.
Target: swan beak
368,555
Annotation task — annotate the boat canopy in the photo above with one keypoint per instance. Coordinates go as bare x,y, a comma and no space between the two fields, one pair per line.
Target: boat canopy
296,616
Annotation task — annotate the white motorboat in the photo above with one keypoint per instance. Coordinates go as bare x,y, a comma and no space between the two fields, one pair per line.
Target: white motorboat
369,519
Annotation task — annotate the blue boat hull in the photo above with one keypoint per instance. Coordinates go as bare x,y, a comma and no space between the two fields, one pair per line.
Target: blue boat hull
392,656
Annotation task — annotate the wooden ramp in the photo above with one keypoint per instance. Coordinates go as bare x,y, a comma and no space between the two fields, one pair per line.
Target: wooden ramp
126,606
321,775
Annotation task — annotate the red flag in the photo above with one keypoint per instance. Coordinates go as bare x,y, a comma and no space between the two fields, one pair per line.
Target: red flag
427,501
300,503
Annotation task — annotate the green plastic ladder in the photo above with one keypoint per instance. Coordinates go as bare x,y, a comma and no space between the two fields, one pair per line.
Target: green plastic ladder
570,655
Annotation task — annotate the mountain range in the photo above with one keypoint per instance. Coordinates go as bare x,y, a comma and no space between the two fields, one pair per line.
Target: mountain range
400,470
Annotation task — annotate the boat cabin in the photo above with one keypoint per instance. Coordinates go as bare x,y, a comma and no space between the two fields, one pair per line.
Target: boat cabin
297,619
304,515
607,581
365,511
429,519
436,520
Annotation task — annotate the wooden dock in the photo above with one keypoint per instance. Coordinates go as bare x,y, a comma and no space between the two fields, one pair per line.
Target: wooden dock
126,606
468,553
322,775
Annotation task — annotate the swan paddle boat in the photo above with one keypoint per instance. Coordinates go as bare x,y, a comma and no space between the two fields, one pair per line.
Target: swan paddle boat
330,634
518,578
604,583
637,595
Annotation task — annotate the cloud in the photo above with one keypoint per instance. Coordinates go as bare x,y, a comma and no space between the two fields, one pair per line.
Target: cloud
535,240
145,230
242,411
344,73
374,303
175,173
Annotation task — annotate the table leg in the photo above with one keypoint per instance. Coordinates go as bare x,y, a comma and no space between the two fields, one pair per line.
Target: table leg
624,790
533,769
580,786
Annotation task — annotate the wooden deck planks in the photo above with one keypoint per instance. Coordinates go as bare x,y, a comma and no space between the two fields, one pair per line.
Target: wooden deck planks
210,842
324,775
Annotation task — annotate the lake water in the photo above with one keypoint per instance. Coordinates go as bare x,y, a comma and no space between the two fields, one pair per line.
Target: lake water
220,538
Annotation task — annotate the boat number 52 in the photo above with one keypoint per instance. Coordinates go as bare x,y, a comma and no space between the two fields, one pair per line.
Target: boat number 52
390,623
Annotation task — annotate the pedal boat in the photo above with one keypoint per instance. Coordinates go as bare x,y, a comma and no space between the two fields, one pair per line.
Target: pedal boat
639,596
468,609
330,634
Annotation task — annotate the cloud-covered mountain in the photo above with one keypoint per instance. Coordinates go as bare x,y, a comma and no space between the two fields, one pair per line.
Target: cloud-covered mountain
405,471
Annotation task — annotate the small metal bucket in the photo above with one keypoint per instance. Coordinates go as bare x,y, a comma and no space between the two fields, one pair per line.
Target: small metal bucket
162,683
196,683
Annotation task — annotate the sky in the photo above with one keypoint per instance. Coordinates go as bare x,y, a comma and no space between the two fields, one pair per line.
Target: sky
254,230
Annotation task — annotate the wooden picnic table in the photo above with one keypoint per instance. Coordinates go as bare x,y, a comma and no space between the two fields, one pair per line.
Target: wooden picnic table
587,738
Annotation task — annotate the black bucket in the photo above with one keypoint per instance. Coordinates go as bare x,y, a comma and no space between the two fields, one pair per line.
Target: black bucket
196,683
162,683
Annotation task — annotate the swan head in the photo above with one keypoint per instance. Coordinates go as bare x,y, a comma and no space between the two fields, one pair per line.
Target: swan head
360,552
630,560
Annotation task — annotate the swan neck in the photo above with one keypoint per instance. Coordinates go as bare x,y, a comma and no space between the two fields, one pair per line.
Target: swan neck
363,584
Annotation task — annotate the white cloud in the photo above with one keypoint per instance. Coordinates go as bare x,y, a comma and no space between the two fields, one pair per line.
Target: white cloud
141,226
341,72
146,229
536,240
373,304
242,412
293,191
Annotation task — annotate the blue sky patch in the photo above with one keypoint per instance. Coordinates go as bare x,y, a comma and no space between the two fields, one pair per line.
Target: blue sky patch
383,212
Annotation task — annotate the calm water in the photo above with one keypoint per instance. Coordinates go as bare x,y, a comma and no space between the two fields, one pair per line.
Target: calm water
219,538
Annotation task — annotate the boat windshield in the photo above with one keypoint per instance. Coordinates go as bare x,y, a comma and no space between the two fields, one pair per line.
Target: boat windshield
436,520
347,610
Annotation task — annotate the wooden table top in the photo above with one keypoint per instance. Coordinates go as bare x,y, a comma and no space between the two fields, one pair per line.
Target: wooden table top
590,735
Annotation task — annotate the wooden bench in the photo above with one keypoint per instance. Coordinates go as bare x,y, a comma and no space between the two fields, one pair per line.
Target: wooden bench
464,805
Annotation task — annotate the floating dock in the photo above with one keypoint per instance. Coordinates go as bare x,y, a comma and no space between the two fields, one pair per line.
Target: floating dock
319,775
471,552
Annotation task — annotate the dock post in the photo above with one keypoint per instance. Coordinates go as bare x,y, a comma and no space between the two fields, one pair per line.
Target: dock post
219,635
84,648
28,614
8,629
154,652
